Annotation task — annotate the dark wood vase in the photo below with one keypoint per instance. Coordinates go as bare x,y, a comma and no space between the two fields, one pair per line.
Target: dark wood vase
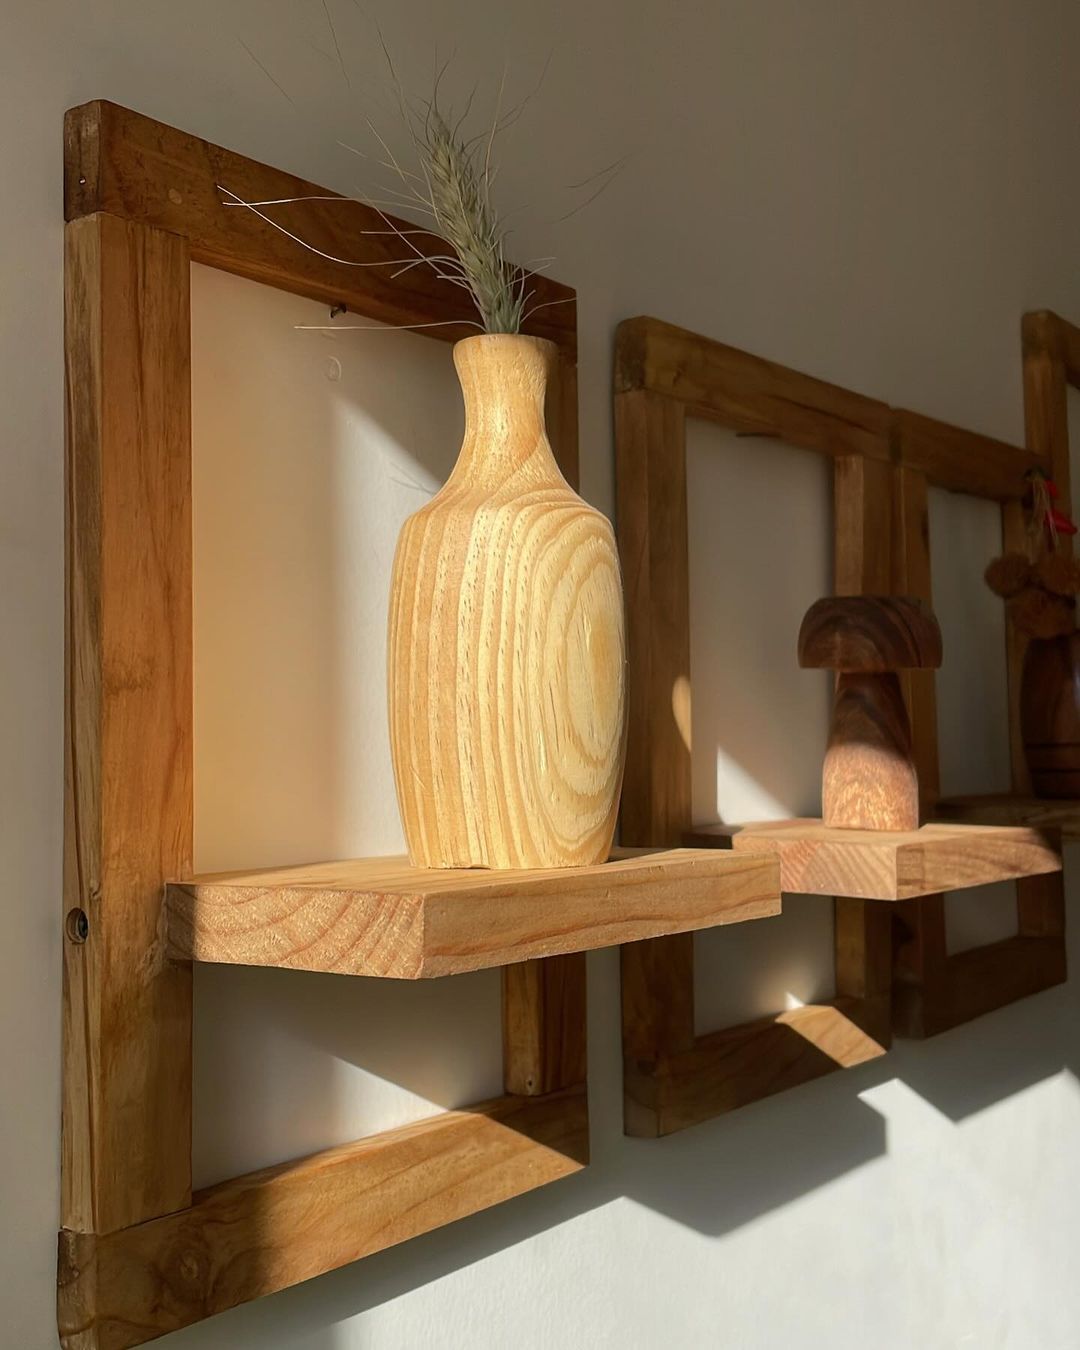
1050,715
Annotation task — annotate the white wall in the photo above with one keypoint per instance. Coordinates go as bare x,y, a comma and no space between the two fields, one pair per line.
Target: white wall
870,192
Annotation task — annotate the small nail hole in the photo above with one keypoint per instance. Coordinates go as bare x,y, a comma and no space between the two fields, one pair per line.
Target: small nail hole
77,925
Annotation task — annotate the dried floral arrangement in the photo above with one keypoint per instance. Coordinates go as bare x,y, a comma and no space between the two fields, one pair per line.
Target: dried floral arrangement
1040,586
450,185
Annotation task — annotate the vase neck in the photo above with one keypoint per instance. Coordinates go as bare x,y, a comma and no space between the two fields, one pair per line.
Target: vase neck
504,381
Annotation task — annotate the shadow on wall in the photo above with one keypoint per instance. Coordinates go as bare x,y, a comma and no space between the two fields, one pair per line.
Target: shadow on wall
713,1178
295,529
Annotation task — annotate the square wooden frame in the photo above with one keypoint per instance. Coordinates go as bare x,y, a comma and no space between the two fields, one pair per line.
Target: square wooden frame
140,1254
883,462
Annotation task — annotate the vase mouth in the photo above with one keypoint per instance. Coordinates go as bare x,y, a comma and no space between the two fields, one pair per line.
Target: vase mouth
475,340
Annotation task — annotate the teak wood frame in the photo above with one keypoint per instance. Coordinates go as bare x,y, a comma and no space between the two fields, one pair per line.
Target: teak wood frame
883,459
140,1254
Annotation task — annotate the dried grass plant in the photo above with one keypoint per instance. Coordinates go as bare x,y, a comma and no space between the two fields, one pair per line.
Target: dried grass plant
450,184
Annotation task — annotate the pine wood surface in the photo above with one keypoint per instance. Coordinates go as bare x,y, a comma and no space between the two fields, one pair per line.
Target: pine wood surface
818,860
259,1233
126,1133
506,652
383,917
131,166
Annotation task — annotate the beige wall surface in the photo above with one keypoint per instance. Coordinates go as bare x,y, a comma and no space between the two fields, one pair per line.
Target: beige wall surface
870,192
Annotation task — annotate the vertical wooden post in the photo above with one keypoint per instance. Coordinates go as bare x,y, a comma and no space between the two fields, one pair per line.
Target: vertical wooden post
127,1011
562,416
864,526
658,975
544,1041
652,528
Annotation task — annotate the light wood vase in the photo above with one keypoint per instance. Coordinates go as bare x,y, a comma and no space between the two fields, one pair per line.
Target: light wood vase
506,651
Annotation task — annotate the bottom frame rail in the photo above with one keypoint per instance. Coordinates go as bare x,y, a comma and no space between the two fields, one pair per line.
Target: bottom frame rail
267,1230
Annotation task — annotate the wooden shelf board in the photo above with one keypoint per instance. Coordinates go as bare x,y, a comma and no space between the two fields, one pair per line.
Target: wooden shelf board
382,917
876,865
1005,808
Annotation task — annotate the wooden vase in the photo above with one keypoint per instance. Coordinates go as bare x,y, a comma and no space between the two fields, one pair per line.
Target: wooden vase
507,652
1050,715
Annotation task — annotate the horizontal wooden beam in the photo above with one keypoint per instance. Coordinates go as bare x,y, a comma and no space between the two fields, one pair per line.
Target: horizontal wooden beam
276,1227
747,392
973,983
963,461
380,916
727,1069
131,166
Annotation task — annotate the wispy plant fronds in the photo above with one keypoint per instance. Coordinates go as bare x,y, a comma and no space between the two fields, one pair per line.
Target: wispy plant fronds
449,182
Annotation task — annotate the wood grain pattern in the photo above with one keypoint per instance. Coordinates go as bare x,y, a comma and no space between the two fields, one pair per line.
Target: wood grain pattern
650,452
817,860
119,161
1014,539
1050,715
127,1011
273,1228
868,779
1005,808
544,1043
747,393
506,649
910,574
869,634
728,1069
382,917
673,1078
862,525
976,982
963,461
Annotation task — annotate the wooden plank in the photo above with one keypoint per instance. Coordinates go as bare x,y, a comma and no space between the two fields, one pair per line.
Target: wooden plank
863,947
963,461
1040,813
728,1069
910,568
1014,539
127,1010
986,978
1041,908
379,916
273,1228
1045,341
544,1043
865,864
650,443
862,525
747,392
562,416
118,161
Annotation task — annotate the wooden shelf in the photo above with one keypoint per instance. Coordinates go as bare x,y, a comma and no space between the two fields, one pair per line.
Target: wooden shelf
1005,808
875,865
380,916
